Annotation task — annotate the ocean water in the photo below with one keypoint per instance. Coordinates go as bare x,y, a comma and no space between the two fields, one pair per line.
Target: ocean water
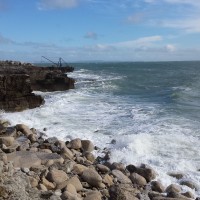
151,109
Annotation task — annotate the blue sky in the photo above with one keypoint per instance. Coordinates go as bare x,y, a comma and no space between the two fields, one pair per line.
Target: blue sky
100,30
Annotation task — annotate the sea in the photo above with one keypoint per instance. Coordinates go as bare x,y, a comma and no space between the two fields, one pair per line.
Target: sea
151,110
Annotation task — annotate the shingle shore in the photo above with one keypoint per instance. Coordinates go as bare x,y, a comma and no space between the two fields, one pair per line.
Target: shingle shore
33,166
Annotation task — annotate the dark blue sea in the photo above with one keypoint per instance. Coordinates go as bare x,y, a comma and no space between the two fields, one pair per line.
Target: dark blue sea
151,109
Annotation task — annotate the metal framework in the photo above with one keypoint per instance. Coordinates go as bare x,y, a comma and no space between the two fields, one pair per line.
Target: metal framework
59,64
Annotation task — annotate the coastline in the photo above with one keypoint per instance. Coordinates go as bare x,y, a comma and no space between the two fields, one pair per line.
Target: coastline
22,145
54,169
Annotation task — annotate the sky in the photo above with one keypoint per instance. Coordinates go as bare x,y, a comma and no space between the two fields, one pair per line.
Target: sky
100,30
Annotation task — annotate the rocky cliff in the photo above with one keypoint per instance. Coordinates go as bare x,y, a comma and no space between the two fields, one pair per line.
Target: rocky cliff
17,81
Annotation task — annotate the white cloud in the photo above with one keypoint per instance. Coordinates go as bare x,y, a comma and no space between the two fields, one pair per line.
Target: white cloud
191,25
189,2
56,4
140,42
170,48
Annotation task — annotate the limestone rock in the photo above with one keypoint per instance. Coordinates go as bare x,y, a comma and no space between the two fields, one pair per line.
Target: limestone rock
71,189
24,129
157,186
75,144
47,184
137,179
89,156
75,182
190,184
148,173
78,169
33,181
102,168
176,175
173,188
68,196
118,166
66,153
188,195
87,145
108,180
8,141
94,195
121,177
57,176
123,192
92,177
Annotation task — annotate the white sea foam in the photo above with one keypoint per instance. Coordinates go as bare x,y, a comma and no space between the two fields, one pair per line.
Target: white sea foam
144,133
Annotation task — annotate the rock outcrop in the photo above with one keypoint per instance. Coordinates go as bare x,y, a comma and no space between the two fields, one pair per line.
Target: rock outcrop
18,80
16,93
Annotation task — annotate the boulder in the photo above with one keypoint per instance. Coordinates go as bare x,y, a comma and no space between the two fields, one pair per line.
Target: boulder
92,177
157,186
71,189
173,188
137,179
118,166
89,156
108,180
24,129
75,182
75,144
29,159
176,175
190,184
47,184
121,177
8,141
102,168
94,195
123,192
87,145
66,153
57,176
147,172
78,169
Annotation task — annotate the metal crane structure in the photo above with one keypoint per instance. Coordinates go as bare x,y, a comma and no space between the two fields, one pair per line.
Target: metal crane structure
59,64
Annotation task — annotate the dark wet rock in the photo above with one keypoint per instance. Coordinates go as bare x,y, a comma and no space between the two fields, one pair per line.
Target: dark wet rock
144,170
176,175
153,194
123,192
190,184
157,186
188,195
51,140
118,166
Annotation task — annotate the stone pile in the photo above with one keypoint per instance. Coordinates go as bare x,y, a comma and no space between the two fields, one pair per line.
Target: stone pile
35,167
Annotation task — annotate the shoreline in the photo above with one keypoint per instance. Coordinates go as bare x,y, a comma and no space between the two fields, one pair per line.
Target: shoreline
54,169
